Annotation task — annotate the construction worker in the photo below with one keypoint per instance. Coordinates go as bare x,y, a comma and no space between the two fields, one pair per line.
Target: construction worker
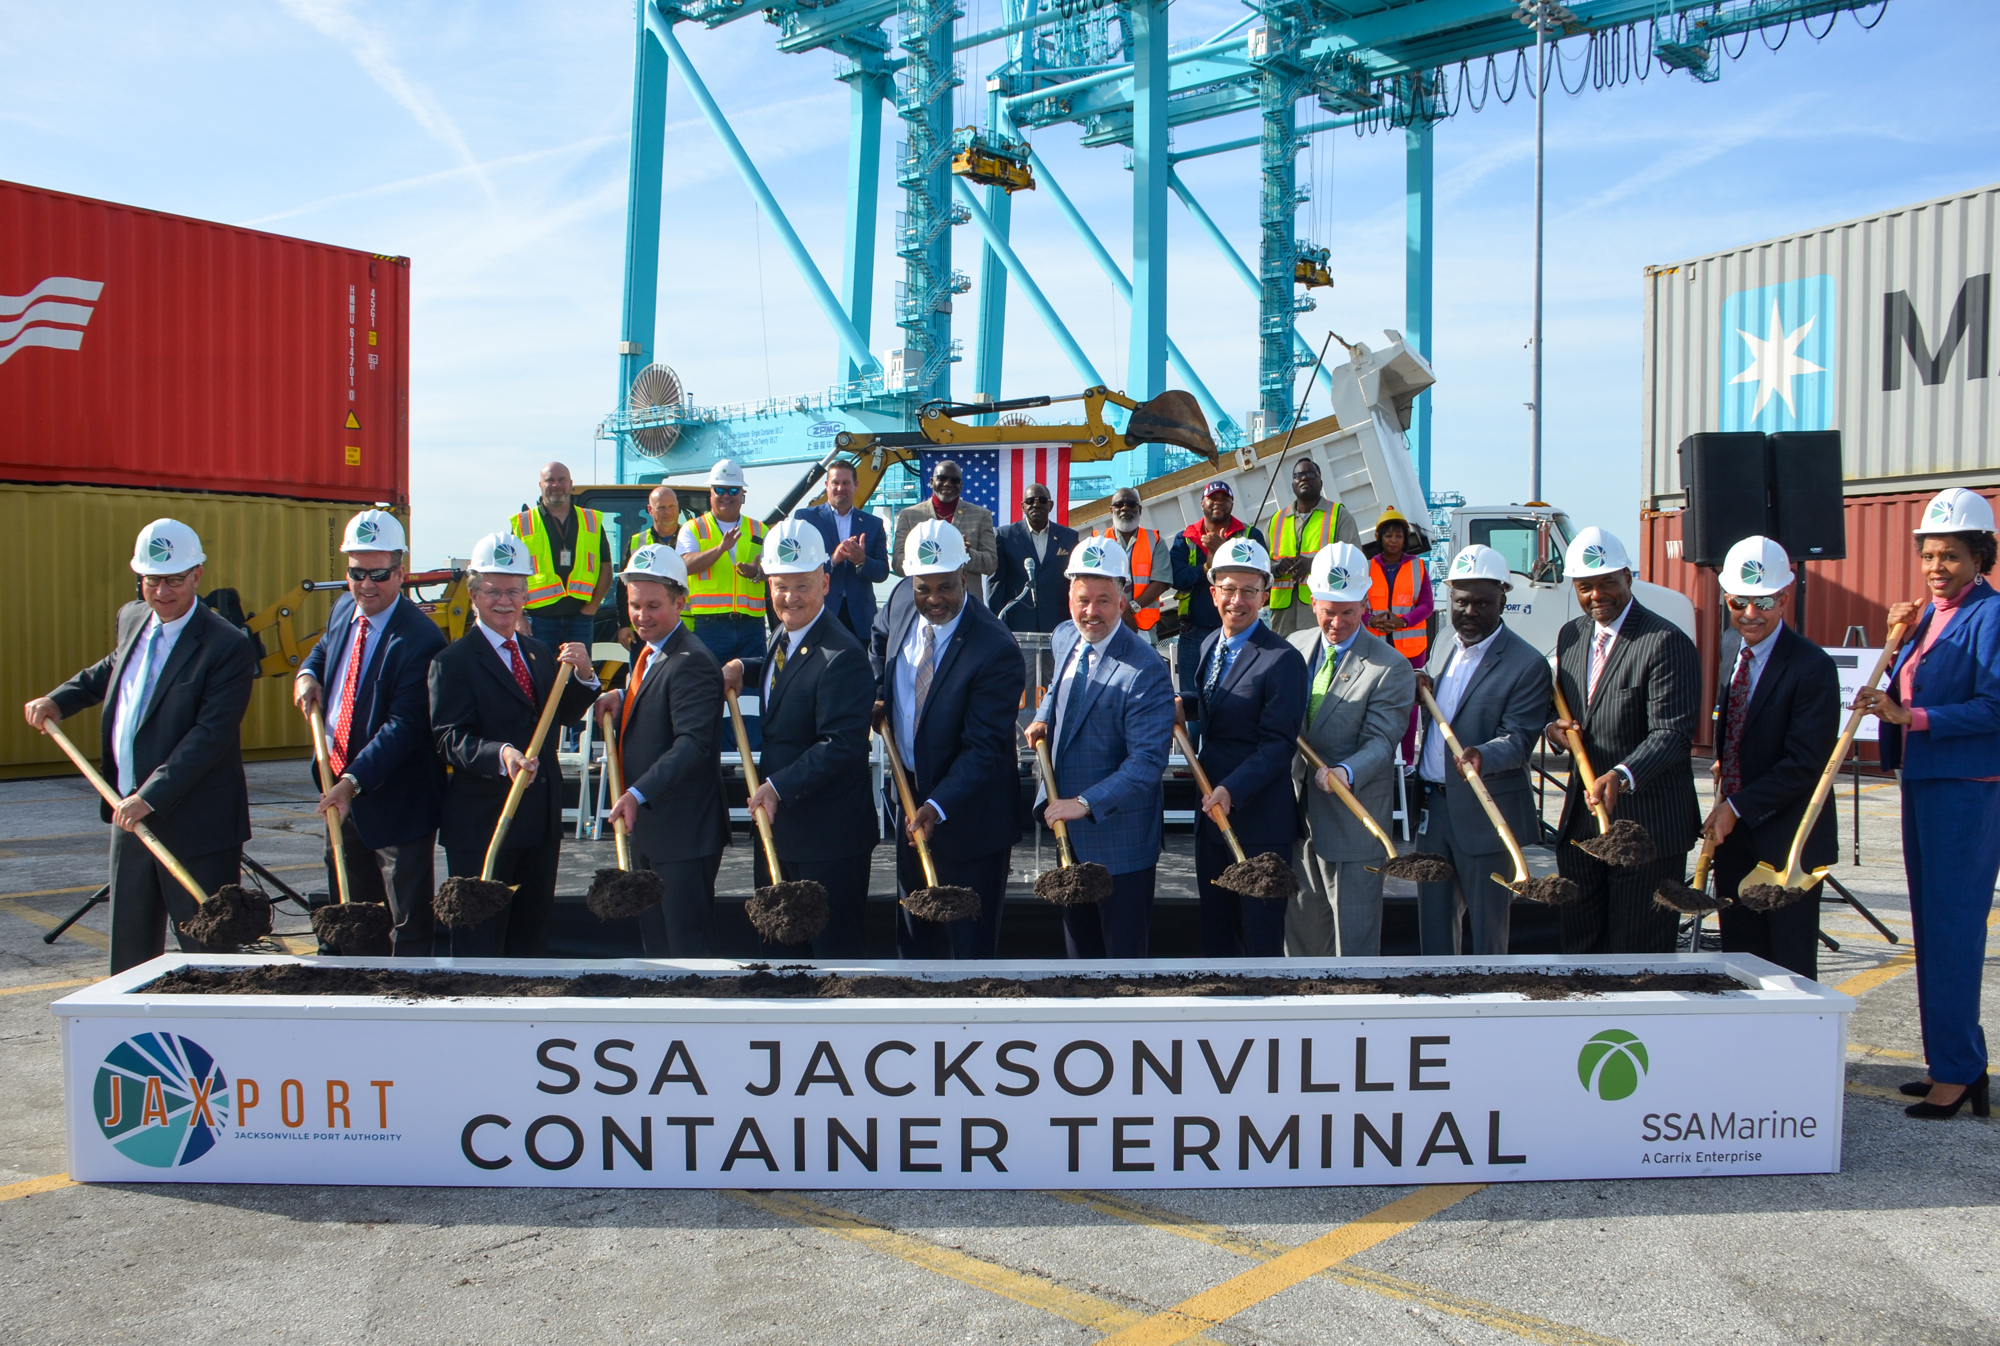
973,522
725,581
1297,533
1189,560
173,690
663,528
1399,599
387,780
572,556
1149,562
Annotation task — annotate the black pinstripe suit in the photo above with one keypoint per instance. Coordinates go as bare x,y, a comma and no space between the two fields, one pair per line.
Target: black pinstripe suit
1642,717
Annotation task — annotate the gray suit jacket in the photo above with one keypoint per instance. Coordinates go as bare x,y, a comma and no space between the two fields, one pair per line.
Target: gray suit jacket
1361,720
974,523
1501,714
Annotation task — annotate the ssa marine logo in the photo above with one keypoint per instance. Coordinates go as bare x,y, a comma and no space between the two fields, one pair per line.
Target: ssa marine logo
160,1099
1611,1064
47,316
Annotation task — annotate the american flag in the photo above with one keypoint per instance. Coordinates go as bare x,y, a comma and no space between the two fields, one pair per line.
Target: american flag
995,478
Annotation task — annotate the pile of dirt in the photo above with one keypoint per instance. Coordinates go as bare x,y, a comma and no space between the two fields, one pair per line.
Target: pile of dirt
792,912
1623,844
761,982
1419,867
942,903
1677,896
353,927
462,903
1074,884
1769,896
1268,876
1551,890
616,895
229,920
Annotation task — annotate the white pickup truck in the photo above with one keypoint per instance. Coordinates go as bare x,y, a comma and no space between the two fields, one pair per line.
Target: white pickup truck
1365,465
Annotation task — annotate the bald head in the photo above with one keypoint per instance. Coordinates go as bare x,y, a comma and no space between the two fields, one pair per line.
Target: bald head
556,485
663,507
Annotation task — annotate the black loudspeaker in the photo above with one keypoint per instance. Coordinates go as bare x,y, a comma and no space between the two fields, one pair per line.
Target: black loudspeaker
1809,517
1728,499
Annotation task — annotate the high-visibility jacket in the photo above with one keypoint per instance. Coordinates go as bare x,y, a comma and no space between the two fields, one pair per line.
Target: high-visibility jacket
546,586
1140,558
723,592
1413,641
1284,532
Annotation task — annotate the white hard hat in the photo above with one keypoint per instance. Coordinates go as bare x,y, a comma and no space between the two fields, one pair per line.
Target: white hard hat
1339,574
1100,556
655,562
1754,568
726,472
1242,552
793,547
1478,562
501,554
934,547
1594,552
166,547
1956,510
374,530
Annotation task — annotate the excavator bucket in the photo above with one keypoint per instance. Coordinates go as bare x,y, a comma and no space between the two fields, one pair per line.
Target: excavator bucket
1174,417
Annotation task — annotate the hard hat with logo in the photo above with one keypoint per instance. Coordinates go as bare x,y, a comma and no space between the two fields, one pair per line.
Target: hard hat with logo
374,530
1956,510
793,547
501,554
1477,562
1241,553
1594,552
1339,574
1101,557
656,562
726,472
934,547
166,547
1755,568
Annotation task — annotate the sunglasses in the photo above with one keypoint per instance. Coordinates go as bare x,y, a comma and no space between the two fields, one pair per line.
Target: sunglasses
726,490
378,576
1763,604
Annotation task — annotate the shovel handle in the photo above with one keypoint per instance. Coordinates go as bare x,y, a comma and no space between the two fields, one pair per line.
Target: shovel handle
143,832
1582,760
1061,829
1702,860
1346,796
615,763
909,799
522,777
1478,787
750,780
325,760
1826,777
1201,779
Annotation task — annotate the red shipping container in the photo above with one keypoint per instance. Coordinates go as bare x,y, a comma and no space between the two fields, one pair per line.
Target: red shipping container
151,350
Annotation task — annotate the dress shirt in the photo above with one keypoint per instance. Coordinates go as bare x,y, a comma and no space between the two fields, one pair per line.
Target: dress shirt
1329,650
1066,686
1760,657
499,644
132,697
843,524
792,641
652,661
337,675
1451,685
1227,649
1041,541
906,685
1590,656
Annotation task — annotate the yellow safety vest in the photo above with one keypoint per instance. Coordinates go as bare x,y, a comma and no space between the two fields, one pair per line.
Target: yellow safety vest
545,586
1321,526
722,591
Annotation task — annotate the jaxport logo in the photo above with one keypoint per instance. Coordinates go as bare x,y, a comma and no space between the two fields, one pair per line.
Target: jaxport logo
1337,577
366,531
788,550
1611,1064
1593,556
503,554
927,553
159,549
1753,572
160,1099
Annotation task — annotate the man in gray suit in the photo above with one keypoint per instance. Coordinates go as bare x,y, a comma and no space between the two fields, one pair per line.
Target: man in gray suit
1357,707
1493,689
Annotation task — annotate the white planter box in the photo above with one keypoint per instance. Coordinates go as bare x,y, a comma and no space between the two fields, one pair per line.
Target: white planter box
1131,1092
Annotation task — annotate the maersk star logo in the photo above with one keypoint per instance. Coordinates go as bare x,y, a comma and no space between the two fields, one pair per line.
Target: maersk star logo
1776,357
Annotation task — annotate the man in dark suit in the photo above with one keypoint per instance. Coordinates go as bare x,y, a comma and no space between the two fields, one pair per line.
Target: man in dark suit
670,743
376,657
1777,718
948,681
1250,696
1031,592
1633,680
857,550
1192,557
1493,688
816,689
487,693
173,691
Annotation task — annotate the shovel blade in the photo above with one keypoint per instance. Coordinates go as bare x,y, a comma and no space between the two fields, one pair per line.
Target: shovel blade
1764,875
1174,417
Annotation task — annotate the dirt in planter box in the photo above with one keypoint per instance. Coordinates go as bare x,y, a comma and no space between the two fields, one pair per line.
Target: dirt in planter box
761,982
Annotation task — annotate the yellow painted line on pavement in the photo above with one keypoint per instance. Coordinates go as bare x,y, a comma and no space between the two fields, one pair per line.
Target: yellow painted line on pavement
1037,1292
1861,983
36,1186
42,920
1877,1091
51,985
1191,1317
1498,1317
1892,1052
50,892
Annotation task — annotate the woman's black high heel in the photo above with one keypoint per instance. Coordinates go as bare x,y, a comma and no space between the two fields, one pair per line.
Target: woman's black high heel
1978,1094
1915,1089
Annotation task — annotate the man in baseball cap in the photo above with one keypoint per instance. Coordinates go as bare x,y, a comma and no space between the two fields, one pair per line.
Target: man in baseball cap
173,689
1192,556
387,781
948,679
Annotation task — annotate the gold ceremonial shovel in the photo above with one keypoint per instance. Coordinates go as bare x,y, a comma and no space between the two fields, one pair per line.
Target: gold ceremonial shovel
1417,868
1553,890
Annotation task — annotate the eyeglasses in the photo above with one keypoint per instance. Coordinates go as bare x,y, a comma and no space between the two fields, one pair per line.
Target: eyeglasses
1763,604
166,581
378,575
1234,591
726,490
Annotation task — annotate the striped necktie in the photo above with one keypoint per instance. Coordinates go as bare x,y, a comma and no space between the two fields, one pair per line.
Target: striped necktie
924,669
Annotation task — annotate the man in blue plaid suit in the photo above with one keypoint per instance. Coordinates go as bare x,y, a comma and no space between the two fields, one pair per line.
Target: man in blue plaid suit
1107,720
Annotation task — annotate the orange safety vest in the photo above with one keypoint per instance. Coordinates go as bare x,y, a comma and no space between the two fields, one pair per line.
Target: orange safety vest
1140,558
1412,641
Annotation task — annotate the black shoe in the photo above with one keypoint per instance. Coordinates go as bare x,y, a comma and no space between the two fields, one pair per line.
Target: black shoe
1915,1089
1978,1093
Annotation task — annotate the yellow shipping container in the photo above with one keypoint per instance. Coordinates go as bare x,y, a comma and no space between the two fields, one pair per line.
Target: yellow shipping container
69,549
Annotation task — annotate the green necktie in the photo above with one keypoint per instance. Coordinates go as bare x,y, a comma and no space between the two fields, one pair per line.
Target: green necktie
1322,683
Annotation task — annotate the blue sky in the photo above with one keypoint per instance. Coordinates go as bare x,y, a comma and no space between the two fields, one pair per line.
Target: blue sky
488,142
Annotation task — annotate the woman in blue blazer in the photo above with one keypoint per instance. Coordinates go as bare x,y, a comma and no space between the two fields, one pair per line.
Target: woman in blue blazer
1941,724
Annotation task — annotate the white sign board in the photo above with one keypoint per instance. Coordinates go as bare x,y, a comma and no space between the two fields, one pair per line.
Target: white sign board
1854,666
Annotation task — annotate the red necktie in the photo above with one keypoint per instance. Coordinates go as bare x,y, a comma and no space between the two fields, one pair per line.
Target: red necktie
1732,725
343,720
520,670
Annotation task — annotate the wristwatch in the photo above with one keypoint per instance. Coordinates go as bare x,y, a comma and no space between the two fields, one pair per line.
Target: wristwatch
348,776
1086,805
